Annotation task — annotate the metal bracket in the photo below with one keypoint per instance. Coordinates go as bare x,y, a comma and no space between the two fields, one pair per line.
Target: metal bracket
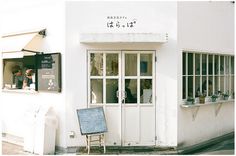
217,108
43,32
194,112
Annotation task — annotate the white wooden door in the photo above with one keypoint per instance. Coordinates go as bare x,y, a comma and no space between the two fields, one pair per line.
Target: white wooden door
138,108
122,82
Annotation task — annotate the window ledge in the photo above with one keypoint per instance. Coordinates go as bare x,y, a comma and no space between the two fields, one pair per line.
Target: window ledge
19,91
207,103
217,105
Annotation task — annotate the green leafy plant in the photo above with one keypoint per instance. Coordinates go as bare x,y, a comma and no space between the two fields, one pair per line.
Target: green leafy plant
214,97
190,100
225,95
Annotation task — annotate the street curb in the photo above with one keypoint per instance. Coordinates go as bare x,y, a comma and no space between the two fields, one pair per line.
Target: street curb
192,149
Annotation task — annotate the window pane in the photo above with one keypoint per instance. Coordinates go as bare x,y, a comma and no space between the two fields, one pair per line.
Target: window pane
96,91
227,79
222,65
197,64
204,84
146,91
96,64
226,65
131,90
190,86
130,64
222,84
232,84
112,67
19,73
190,63
13,74
204,62
184,63
111,89
216,65
184,87
232,64
210,86
216,84
197,86
146,64
210,64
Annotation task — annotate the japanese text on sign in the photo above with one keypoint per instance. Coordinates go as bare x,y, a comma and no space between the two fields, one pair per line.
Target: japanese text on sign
120,22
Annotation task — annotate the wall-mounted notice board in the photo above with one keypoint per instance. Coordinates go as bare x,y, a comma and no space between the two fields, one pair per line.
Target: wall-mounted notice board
92,120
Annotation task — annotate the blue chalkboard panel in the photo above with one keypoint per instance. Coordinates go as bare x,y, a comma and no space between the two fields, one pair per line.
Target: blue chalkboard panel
92,120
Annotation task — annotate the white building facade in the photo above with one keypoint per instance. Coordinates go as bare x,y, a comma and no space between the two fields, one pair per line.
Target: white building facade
128,58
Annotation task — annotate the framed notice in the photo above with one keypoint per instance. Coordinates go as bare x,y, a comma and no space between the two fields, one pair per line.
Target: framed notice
49,72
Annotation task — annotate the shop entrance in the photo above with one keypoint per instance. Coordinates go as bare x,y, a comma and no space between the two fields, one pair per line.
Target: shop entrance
123,83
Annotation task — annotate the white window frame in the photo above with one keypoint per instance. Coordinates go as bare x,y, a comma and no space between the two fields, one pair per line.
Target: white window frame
227,76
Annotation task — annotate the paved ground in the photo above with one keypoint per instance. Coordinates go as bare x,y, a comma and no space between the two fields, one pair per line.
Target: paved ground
225,147
12,149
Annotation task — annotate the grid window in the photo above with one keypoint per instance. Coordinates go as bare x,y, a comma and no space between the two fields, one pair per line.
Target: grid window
207,73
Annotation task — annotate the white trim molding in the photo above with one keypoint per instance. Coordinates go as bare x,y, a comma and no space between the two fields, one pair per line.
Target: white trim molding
123,38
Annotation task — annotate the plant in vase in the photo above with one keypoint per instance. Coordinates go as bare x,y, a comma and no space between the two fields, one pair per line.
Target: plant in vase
225,96
190,100
202,97
214,97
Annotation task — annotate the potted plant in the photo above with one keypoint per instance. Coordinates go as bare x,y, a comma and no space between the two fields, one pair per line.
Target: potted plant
225,96
214,97
202,97
190,100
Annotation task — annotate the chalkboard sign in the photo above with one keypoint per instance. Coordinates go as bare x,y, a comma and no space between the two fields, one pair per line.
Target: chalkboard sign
49,72
92,120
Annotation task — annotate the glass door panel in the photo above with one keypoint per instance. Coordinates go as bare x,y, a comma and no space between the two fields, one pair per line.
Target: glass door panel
96,64
146,91
111,90
130,64
112,67
130,91
145,64
96,91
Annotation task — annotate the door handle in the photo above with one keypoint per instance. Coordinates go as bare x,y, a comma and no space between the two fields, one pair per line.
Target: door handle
118,94
124,96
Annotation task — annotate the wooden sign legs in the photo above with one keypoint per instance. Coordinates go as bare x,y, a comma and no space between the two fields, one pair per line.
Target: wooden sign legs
101,140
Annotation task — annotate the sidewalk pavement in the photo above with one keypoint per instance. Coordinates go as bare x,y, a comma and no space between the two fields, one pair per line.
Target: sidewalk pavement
13,149
215,144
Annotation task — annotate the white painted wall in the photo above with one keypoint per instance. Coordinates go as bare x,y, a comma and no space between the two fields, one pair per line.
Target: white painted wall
204,26
203,33
28,15
152,17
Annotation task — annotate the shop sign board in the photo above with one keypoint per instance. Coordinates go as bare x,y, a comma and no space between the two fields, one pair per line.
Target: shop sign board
49,72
